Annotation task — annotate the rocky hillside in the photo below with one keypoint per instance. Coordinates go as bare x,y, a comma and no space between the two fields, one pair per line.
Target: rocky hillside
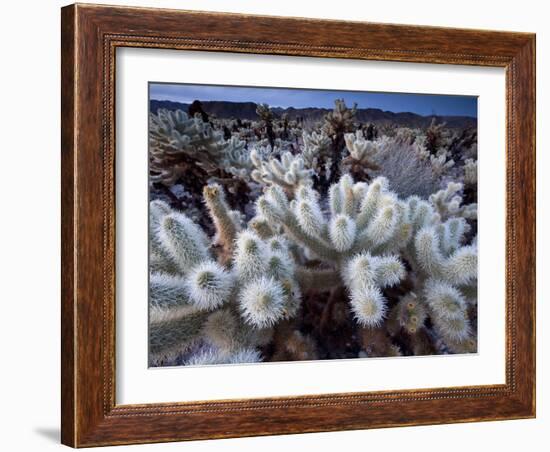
247,110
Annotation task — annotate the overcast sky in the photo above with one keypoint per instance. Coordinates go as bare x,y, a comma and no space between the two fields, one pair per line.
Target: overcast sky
423,104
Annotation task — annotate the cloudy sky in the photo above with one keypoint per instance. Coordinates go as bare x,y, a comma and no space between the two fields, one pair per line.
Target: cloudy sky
423,104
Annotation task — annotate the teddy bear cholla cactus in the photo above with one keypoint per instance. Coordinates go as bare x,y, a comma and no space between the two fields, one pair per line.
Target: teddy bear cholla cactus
341,119
443,277
470,172
316,148
317,154
448,203
445,270
220,312
336,124
266,116
178,144
361,158
288,171
358,238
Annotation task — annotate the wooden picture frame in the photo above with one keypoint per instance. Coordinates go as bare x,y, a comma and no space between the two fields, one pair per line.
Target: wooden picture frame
90,36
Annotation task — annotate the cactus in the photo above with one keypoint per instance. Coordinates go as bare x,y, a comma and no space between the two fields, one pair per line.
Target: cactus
448,203
316,148
266,115
434,136
337,123
187,303
179,143
470,172
287,172
316,154
446,270
304,241
362,152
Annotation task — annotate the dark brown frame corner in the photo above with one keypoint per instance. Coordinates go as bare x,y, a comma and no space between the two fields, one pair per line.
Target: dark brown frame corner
90,36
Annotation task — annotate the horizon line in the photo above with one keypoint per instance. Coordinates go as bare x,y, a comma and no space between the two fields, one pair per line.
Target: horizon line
424,104
312,106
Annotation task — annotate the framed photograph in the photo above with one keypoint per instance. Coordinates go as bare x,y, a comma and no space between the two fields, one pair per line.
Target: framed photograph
280,225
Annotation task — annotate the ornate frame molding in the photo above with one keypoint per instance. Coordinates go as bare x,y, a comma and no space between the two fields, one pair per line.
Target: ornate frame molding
90,37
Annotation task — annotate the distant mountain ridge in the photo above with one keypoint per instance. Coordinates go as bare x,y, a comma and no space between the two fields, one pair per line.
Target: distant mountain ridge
247,111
